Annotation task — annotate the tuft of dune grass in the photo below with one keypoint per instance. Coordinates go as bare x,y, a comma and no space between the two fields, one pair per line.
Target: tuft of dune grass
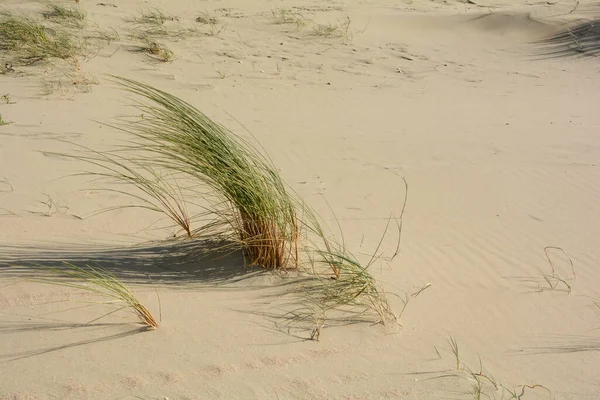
250,205
153,16
177,157
26,41
340,29
154,48
65,15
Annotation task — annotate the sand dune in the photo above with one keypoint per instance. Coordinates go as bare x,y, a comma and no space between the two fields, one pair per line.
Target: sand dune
487,110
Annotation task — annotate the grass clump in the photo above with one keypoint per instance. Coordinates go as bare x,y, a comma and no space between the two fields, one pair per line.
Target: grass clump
3,122
249,202
65,15
6,99
283,16
100,281
27,41
153,16
340,29
215,26
155,49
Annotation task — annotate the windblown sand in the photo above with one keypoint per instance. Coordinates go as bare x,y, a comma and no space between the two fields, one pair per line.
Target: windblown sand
499,145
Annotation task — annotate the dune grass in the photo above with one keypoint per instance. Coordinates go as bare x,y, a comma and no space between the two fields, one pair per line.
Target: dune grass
155,49
178,157
249,202
156,192
26,41
153,24
99,281
481,384
3,122
215,26
153,16
339,29
65,15
285,16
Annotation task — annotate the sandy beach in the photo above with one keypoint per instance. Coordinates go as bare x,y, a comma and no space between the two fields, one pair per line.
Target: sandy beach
493,125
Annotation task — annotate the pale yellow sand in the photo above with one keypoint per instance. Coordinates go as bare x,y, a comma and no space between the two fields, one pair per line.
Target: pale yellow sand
500,150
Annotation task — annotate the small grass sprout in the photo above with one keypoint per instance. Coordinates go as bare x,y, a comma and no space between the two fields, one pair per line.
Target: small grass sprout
3,122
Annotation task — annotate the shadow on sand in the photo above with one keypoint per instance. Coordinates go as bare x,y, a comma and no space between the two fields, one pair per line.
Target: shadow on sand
174,262
579,40
565,344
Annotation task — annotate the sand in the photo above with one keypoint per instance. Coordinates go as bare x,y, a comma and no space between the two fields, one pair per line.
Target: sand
499,146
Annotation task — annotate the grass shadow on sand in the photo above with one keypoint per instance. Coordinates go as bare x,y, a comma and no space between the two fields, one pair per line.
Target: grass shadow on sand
7,327
170,263
578,40
565,344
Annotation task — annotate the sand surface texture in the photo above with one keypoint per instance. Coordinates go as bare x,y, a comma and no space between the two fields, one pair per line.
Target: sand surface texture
496,134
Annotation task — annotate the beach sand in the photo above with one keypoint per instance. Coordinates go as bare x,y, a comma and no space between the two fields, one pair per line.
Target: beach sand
497,140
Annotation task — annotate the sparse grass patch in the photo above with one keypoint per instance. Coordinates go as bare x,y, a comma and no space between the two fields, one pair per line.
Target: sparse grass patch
154,23
348,292
65,78
283,16
215,26
154,17
65,15
340,29
26,41
207,19
106,35
482,385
